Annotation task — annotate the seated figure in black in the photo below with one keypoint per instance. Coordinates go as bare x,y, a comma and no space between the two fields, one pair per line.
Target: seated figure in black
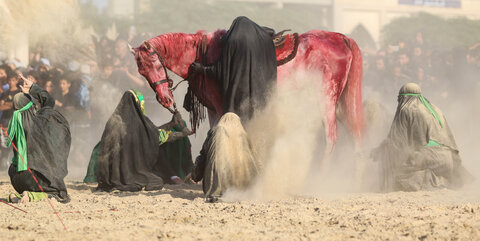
42,143
128,156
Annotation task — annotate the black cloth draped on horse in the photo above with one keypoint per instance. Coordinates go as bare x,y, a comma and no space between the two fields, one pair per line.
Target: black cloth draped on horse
48,139
129,150
246,68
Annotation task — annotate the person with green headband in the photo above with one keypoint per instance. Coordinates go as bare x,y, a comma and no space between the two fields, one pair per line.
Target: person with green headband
419,152
129,155
40,139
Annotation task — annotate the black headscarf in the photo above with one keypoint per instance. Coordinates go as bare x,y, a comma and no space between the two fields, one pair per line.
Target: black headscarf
246,68
129,149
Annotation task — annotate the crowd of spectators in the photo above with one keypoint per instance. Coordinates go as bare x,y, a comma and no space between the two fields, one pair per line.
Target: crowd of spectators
449,73
81,86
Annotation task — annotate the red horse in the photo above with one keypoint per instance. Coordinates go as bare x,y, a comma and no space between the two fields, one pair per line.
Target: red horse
333,54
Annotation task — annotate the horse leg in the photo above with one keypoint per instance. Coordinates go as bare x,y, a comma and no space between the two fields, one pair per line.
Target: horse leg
330,124
352,108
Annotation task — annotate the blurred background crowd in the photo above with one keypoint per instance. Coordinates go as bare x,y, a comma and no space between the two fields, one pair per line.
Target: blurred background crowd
75,83
451,74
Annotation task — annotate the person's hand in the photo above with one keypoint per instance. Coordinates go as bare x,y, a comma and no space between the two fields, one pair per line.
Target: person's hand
176,180
188,179
58,103
27,84
177,118
196,68
187,131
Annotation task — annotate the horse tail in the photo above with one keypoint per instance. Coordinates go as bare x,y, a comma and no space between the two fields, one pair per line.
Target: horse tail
351,98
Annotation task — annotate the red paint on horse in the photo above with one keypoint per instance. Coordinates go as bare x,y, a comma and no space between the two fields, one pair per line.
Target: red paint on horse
334,55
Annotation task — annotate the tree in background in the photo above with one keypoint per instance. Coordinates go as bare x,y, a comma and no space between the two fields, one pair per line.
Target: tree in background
443,34
189,16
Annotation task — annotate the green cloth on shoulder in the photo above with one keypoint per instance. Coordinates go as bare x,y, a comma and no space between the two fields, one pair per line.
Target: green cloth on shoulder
16,132
429,107
432,143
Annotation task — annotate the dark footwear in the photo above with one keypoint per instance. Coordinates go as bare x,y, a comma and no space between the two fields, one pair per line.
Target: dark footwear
211,199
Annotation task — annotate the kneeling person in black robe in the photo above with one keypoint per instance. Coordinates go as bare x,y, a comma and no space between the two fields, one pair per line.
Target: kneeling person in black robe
128,153
42,138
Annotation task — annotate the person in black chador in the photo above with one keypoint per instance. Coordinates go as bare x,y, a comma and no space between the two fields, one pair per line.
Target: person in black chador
127,157
42,138
246,68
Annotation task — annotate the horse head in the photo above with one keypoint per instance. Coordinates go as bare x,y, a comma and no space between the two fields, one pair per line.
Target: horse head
150,65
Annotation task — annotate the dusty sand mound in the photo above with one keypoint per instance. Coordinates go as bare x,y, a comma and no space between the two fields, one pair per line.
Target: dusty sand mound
180,213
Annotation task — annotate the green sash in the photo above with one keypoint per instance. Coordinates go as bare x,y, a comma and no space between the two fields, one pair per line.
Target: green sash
15,131
429,107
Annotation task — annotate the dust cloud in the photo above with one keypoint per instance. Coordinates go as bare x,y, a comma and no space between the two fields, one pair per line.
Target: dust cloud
53,24
286,136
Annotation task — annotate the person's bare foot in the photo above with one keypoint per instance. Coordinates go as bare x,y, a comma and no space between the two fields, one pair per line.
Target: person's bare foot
176,180
189,180
25,198
13,198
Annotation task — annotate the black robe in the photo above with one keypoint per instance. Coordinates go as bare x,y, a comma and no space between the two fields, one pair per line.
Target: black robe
48,144
129,150
246,68
203,169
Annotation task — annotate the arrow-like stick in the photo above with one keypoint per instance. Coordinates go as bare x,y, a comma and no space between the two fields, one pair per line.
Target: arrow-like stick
13,206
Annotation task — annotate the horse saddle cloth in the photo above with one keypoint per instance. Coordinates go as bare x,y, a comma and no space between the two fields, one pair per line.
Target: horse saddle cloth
286,47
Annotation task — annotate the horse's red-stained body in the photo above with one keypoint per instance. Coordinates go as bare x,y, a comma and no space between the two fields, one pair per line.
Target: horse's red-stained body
333,54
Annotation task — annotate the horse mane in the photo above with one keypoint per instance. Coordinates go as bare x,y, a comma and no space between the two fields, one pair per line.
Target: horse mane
232,156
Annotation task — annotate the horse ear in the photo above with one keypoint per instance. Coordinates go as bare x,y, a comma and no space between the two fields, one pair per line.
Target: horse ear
147,45
131,49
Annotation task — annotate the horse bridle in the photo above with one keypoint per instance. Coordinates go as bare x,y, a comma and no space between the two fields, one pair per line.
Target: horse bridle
167,78
162,62
162,81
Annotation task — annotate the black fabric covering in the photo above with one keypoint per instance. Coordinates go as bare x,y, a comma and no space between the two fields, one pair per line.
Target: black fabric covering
246,68
203,168
48,145
129,150
163,168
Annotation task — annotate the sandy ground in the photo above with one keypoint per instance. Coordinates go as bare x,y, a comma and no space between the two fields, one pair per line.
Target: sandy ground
180,213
